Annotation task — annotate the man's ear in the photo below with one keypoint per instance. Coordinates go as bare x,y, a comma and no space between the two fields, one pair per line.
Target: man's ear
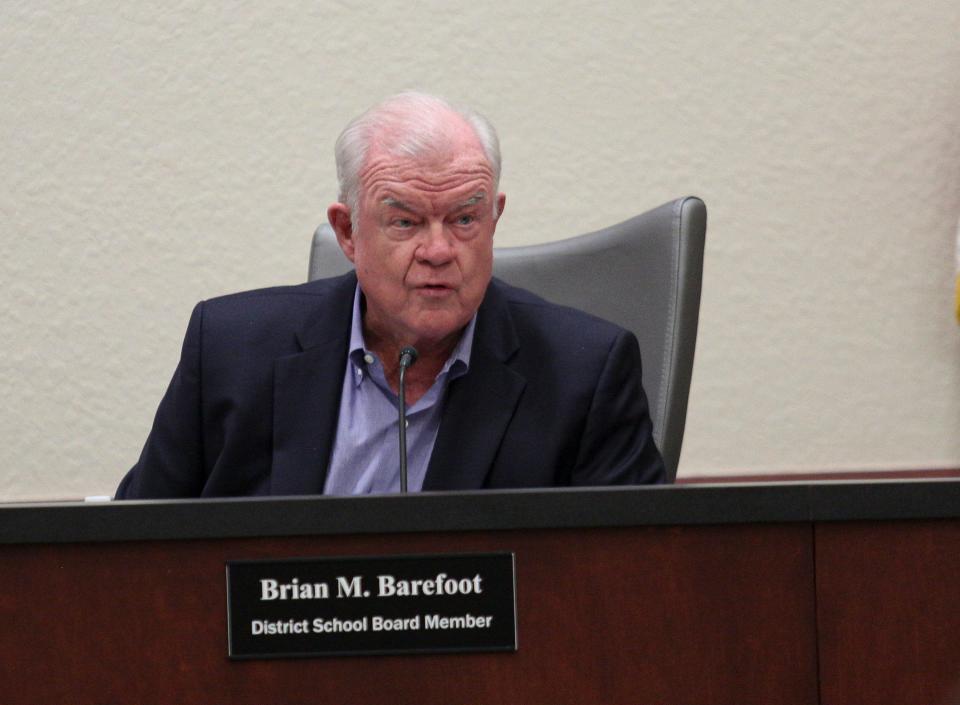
339,216
501,202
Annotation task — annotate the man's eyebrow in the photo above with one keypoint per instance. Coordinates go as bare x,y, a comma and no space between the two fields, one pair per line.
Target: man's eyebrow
391,202
474,199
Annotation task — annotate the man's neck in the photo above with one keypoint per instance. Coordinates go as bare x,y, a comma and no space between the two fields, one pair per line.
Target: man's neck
420,377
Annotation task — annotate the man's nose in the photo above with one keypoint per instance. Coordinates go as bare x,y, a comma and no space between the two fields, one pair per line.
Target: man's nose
436,247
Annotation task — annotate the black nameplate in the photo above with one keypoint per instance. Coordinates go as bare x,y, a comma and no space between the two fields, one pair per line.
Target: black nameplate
381,605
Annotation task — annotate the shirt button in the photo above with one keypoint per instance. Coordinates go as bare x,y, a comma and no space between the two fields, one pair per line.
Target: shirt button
368,358
406,423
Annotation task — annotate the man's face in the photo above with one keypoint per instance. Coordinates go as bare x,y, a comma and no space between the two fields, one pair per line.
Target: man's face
422,243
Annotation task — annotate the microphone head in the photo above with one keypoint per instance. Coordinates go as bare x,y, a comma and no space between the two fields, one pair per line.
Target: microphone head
408,356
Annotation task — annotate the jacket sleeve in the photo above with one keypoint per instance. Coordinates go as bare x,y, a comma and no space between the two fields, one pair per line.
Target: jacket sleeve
171,463
617,446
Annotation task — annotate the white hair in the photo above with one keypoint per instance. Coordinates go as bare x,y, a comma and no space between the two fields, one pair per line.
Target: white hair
416,123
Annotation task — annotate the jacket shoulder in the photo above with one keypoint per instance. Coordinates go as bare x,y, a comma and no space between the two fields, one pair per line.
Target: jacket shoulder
280,297
271,317
287,302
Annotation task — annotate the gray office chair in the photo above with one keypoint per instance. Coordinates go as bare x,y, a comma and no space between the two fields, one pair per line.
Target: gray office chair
643,274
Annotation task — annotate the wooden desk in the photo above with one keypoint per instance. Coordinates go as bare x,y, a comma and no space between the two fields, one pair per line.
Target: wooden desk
835,593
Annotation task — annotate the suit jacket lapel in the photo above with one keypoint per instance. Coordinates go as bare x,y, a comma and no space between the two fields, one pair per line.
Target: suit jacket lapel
306,395
479,405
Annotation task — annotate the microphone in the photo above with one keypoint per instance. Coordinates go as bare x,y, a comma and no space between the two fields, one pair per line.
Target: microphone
408,356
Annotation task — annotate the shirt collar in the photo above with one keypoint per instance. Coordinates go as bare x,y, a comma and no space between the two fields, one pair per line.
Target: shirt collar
358,348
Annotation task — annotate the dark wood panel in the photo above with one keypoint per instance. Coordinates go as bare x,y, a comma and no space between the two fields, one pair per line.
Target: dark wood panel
889,612
667,615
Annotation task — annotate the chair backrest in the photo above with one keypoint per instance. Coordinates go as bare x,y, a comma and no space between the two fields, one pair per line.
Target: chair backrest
644,274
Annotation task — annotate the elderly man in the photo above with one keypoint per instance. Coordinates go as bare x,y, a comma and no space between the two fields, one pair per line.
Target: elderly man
293,390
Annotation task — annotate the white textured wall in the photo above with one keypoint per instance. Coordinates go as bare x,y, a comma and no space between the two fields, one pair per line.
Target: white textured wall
154,156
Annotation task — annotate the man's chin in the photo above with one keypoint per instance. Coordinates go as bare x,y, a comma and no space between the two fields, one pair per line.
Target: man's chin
439,333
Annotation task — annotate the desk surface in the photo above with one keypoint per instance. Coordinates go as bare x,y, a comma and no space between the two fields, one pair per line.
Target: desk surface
479,511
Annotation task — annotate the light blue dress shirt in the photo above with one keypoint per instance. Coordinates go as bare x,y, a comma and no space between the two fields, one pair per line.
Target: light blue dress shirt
366,452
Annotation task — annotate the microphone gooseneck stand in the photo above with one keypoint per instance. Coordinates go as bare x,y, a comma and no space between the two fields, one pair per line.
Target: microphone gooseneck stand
408,356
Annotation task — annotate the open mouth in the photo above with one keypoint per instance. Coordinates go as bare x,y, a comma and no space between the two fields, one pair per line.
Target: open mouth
435,289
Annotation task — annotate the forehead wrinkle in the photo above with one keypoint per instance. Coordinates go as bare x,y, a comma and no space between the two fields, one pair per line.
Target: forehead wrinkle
425,178
407,192
393,202
452,184
431,173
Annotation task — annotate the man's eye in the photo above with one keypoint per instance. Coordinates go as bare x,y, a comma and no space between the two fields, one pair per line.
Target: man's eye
465,219
402,223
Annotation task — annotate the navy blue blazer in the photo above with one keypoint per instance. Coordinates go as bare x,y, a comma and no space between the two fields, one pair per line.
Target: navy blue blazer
552,398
